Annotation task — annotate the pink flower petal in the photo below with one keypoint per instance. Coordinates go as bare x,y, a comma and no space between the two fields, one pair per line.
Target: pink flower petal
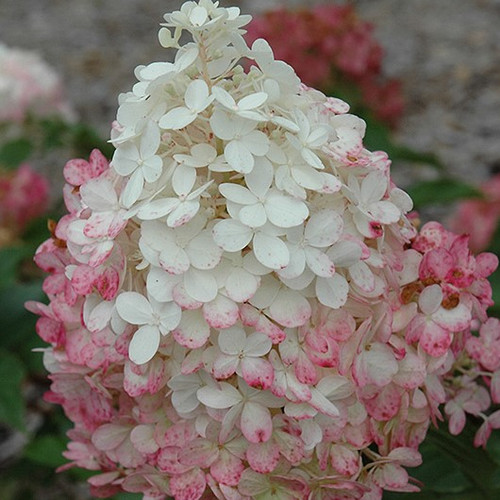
221,312
256,424
227,469
257,372
193,331
188,486
263,457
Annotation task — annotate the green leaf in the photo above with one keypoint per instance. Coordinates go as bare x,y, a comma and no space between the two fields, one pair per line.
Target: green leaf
431,495
453,469
495,240
127,496
494,280
11,398
438,472
18,324
13,153
441,191
10,258
47,450
476,464
85,139
8,488
55,132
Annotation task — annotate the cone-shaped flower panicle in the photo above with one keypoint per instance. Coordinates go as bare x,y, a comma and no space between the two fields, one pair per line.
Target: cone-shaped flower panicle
239,306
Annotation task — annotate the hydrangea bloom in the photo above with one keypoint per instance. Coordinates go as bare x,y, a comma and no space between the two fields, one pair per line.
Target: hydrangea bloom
29,86
239,306
24,195
328,45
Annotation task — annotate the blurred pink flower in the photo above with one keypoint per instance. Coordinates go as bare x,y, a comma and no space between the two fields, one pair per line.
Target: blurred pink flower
24,195
28,85
479,218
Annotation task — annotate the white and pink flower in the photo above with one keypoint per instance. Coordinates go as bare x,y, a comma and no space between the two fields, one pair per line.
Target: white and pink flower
238,312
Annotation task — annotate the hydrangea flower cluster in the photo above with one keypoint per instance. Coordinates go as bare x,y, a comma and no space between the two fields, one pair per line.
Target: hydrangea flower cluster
28,86
24,195
327,44
239,306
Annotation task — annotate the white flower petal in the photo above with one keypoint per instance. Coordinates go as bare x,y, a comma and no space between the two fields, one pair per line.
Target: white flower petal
170,316
285,211
319,263
125,159
99,194
198,15
241,285
155,70
152,168
306,177
324,228
322,404
312,159
224,366
203,252
184,58
266,293
173,258
221,397
157,208
232,340
196,97
237,194
257,344
296,264
332,292
183,180
200,285
160,284
362,275
239,157
224,97
144,344
183,213
384,212
231,235
270,251
150,140
373,187
253,215
252,101
133,189
430,299
134,308
177,118
318,137
222,125
259,180
290,309
345,253
257,142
